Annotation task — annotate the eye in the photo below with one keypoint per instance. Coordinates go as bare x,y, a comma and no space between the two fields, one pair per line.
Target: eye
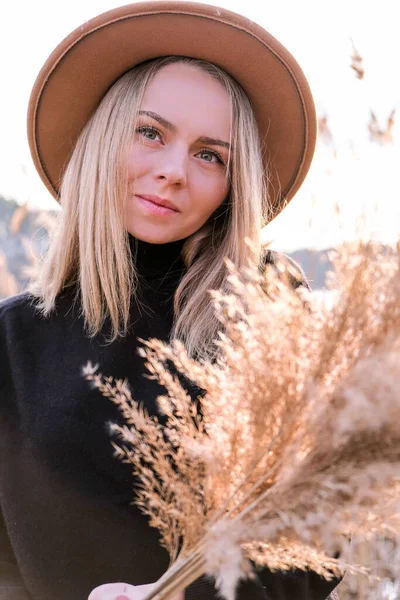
148,132
210,156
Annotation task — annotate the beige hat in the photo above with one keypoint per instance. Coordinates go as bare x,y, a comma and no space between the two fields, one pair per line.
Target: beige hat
84,65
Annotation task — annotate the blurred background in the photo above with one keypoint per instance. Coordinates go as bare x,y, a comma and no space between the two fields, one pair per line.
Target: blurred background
349,51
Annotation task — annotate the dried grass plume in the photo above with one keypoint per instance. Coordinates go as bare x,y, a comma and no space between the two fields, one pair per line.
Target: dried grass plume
294,443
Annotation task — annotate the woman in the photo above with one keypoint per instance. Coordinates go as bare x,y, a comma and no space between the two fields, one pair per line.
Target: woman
160,165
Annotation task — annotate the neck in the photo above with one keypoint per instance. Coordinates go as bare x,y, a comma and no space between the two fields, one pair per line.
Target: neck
156,260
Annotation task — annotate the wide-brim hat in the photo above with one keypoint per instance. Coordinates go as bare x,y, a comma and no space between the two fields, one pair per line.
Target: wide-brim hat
85,65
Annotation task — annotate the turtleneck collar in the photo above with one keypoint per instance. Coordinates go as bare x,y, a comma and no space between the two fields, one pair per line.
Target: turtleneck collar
154,261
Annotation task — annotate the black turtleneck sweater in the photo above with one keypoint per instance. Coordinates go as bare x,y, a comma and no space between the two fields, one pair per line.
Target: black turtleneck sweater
67,524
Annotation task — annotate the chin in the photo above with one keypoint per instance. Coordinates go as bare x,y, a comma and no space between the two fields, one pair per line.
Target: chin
154,237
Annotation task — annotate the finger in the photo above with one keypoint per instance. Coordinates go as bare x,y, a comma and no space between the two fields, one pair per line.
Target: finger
120,591
109,591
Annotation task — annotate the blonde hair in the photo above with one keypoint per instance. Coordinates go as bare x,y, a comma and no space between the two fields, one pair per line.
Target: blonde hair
90,246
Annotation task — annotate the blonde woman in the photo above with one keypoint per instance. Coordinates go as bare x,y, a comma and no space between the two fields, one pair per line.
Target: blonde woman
164,163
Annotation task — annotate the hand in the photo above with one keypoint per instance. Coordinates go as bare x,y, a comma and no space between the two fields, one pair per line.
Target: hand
124,591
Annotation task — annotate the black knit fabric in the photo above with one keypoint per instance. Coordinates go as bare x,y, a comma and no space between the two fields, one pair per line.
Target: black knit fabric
67,523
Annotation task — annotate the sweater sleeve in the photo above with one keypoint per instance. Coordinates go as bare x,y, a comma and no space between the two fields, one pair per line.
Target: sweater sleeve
3,356
11,584
279,585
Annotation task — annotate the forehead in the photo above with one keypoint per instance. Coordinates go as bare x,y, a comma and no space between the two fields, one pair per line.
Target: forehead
189,98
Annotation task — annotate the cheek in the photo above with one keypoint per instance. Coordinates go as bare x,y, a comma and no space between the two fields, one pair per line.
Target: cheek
213,194
137,164
207,196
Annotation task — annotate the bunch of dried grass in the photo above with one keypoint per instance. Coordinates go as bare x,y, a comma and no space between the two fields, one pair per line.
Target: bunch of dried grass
381,558
295,442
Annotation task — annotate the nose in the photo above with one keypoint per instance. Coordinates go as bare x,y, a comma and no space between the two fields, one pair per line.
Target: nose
173,165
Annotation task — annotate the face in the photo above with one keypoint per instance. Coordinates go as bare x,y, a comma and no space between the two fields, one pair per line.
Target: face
178,158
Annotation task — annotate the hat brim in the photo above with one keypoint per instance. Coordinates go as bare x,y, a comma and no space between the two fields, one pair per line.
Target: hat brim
84,66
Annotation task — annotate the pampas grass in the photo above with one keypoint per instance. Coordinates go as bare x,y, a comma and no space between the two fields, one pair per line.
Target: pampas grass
381,558
294,442
357,63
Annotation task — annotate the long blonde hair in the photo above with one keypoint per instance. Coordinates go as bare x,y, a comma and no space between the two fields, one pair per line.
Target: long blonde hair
90,245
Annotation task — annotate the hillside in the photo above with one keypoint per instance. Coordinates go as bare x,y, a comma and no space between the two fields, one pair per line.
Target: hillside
23,236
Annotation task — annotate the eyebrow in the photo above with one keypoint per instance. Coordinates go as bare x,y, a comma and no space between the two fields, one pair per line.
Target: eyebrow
157,117
168,125
214,142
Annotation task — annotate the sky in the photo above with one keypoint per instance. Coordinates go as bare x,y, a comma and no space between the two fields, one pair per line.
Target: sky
352,184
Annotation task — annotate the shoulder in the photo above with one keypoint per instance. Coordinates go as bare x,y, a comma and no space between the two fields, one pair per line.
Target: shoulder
13,302
18,315
9,308
15,313
24,333
25,308
17,308
297,277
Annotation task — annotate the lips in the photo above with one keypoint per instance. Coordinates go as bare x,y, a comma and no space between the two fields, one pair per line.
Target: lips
159,201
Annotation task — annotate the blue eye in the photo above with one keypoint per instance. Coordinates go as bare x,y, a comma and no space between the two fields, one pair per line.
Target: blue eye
210,155
150,133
